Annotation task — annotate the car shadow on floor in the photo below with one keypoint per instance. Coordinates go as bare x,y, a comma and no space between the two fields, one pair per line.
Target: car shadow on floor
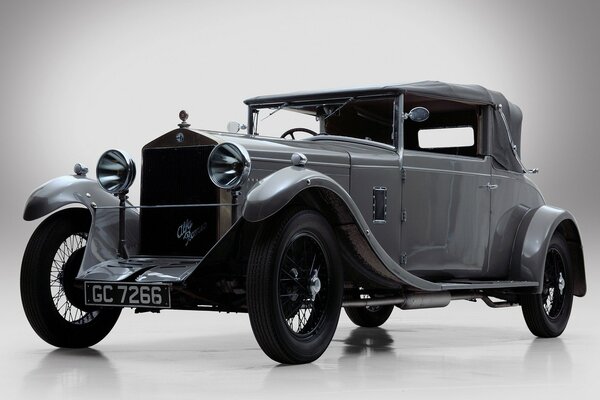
88,370
409,355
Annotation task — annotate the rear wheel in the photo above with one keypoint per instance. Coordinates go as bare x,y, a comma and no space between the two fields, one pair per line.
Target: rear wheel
294,286
53,304
370,316
547,313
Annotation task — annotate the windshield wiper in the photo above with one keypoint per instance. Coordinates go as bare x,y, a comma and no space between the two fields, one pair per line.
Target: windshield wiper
274,111
339,108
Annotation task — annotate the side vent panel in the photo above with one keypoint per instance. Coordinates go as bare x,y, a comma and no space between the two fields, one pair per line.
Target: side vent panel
379,205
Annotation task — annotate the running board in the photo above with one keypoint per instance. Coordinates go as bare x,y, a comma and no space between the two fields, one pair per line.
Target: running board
480,285
468,290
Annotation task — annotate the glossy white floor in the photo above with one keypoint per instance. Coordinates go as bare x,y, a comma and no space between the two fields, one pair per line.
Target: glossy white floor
465,350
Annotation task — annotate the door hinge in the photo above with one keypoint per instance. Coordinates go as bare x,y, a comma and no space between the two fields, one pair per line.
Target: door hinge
404,215
403,259
403,174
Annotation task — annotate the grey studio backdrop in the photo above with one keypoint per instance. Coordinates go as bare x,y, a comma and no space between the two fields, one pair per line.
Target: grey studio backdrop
79,77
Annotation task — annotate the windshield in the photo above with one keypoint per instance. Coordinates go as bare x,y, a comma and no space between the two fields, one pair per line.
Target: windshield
368,119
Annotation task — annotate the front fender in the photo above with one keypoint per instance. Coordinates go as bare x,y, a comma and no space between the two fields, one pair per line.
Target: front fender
532,242
278,189
275,191
65,190
103,236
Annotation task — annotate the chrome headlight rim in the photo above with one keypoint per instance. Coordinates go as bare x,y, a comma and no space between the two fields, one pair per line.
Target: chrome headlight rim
127,172
240,154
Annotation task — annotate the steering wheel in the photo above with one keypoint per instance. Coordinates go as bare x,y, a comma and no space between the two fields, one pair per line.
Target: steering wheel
290,132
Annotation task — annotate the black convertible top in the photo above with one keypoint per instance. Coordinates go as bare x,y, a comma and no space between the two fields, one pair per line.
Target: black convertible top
501,148
473,94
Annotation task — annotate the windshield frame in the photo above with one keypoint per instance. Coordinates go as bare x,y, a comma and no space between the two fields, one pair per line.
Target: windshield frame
254,110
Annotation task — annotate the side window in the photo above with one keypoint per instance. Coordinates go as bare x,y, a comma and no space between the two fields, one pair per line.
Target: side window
440,138
452,128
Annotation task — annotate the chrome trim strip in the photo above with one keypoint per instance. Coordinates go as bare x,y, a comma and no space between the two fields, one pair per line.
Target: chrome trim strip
348,139
444,171
309,162
168,206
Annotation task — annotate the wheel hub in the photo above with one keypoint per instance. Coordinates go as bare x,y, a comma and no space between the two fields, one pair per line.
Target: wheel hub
302,292
315,284
554,284
549,300
561,283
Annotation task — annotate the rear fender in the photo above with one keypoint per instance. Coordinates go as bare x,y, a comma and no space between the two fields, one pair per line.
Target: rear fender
532,242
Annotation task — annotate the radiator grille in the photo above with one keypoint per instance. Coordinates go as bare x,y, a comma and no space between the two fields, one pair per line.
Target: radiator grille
177,176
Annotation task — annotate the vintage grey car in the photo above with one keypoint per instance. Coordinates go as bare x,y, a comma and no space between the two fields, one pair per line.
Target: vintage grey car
409,195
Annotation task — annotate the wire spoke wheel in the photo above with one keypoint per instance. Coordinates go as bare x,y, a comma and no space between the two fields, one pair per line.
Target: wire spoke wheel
294,286
63,268
302,296
547,313
553,293
52,300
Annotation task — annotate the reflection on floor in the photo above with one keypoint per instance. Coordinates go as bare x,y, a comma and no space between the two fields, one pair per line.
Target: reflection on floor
463,352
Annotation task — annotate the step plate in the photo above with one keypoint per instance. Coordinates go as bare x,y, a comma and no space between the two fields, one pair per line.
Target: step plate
142,269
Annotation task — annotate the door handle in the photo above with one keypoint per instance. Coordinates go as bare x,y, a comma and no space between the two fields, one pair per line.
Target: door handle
489,186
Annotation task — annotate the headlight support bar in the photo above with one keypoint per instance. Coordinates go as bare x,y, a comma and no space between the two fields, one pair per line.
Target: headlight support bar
121,250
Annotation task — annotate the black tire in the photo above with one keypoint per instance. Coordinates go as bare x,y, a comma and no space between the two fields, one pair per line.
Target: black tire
547,313
53,305
291,323
369,317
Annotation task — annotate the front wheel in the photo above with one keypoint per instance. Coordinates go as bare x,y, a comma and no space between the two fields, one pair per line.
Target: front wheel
547,313
53,304
294,286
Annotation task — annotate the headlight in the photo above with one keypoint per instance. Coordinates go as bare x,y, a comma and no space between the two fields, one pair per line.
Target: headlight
228,165
115,171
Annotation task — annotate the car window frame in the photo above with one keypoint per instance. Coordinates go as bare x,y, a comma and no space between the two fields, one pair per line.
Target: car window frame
480,133
397,119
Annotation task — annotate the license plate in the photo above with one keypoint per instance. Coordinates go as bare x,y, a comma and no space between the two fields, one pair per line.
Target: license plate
127,295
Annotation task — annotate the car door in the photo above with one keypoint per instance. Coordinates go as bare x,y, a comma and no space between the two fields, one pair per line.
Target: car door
445,213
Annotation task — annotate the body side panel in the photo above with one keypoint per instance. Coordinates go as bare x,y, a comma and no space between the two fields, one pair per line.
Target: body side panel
447,205
277,190
378,171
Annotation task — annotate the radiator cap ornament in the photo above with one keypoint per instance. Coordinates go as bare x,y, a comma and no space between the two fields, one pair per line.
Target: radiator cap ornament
183,116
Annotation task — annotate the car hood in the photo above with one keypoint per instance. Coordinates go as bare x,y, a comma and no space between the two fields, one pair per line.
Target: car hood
270,153
264,149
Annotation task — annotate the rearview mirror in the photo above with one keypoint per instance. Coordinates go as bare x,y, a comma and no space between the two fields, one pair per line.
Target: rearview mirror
234,127
418,114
